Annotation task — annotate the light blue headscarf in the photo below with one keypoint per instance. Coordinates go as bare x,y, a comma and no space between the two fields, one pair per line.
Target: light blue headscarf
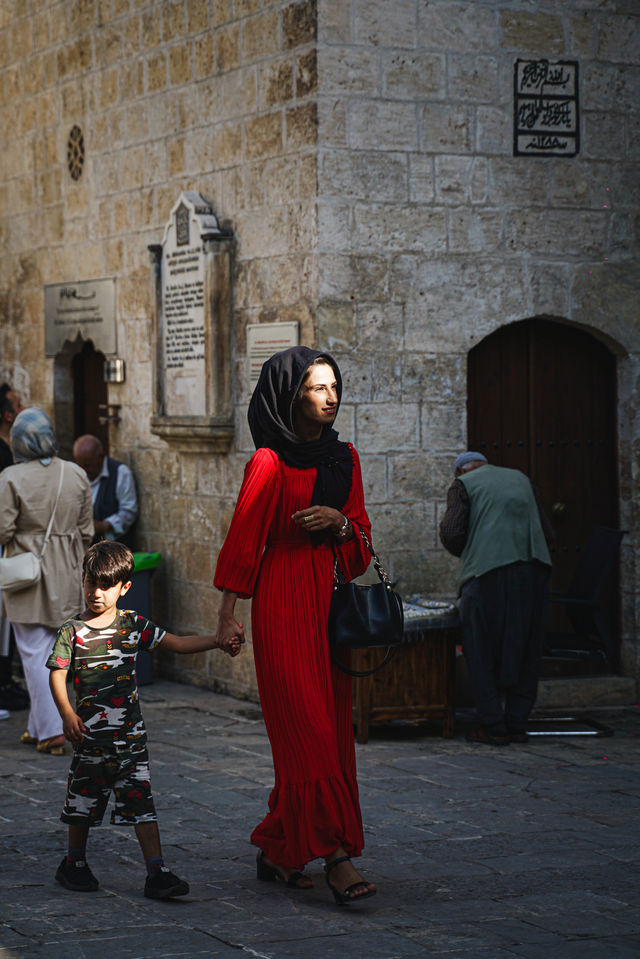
32,437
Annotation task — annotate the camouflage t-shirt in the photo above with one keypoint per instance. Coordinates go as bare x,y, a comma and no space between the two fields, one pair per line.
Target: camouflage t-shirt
103,666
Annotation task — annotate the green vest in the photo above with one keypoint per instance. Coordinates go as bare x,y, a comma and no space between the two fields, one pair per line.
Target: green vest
504,522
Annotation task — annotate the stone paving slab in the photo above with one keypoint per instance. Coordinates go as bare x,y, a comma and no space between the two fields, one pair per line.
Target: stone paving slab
529,851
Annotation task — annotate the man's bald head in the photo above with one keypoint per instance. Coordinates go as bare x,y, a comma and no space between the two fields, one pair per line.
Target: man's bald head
88,452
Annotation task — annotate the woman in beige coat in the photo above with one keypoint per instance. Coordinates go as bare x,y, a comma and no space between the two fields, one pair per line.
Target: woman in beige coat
27,496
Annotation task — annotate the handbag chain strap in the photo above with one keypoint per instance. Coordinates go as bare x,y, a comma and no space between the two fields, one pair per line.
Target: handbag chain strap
380,570
55,505
338,572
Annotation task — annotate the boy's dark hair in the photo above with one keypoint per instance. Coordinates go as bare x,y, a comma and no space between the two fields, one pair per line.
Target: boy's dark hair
107,563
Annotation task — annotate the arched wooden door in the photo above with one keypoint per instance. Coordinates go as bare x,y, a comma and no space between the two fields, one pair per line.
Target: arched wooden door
542,399
89,394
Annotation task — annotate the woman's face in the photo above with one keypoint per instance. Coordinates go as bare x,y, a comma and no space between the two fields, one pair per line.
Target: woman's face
318,403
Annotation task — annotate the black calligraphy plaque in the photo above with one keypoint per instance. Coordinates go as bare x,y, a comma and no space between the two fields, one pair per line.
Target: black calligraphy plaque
545,103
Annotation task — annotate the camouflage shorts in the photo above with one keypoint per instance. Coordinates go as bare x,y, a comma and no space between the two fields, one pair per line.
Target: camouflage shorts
98,771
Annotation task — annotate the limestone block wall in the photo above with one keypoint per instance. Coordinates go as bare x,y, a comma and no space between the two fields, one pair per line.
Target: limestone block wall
361,151
431,234
208,95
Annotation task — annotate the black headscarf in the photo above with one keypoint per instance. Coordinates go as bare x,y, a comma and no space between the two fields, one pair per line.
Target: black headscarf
271,425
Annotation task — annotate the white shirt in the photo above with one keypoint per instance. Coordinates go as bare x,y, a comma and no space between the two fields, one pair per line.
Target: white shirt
126,496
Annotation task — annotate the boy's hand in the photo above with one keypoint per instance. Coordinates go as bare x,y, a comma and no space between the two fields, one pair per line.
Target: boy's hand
73,727
230,644
229,639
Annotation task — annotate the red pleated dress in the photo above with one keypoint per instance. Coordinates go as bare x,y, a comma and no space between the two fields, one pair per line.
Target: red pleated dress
306,701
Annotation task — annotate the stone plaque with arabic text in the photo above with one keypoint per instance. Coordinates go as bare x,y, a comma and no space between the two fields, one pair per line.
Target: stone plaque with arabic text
183,309
192,294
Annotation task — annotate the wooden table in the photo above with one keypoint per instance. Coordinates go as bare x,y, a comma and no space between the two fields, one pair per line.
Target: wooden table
419,683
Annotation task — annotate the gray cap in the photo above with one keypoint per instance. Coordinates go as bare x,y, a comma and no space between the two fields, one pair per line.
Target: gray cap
469,457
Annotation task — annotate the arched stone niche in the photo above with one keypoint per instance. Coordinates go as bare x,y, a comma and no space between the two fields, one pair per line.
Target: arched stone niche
191,275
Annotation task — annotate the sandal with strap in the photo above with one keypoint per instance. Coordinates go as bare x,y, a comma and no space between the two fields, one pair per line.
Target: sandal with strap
268,873
347,895
28,740
51,746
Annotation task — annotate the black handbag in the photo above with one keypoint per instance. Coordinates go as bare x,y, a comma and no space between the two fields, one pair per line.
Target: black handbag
362,617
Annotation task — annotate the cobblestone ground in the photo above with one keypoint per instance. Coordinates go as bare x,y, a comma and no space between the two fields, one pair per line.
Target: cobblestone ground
526,851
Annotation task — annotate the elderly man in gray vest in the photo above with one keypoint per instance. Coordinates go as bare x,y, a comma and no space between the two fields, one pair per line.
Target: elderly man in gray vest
113,490
494,523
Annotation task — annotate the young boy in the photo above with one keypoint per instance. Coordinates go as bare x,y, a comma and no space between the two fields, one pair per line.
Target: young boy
107,730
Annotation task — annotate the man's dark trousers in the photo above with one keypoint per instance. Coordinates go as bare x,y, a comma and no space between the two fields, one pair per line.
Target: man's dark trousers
503,616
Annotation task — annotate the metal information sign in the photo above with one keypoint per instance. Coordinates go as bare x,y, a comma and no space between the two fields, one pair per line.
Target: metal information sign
265,339
87,308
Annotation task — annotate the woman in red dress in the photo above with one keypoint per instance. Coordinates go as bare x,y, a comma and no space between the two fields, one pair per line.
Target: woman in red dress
301,497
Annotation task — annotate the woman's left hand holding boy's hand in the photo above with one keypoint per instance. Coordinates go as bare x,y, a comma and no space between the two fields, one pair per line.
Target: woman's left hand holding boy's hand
230,644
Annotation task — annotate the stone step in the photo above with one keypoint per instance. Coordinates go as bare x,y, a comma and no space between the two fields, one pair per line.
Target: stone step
586,691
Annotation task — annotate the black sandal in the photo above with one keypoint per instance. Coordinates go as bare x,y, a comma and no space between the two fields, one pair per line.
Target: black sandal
268,873
347,896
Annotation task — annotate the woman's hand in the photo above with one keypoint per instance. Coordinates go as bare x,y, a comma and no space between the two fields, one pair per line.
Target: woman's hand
230,635
230,644
317,518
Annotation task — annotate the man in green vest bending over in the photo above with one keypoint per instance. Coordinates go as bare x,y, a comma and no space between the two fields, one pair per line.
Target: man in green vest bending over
494,523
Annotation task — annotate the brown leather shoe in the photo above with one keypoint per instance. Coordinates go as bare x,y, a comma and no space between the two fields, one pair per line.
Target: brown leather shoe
482,735
519,737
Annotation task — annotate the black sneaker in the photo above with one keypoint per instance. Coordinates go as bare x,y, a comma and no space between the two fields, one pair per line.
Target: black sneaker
76,876
163,885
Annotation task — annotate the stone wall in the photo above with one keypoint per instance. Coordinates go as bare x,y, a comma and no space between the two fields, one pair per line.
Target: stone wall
431,235
217,97
361,152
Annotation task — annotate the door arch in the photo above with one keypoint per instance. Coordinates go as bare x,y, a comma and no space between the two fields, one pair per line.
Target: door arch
542,399
80,394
